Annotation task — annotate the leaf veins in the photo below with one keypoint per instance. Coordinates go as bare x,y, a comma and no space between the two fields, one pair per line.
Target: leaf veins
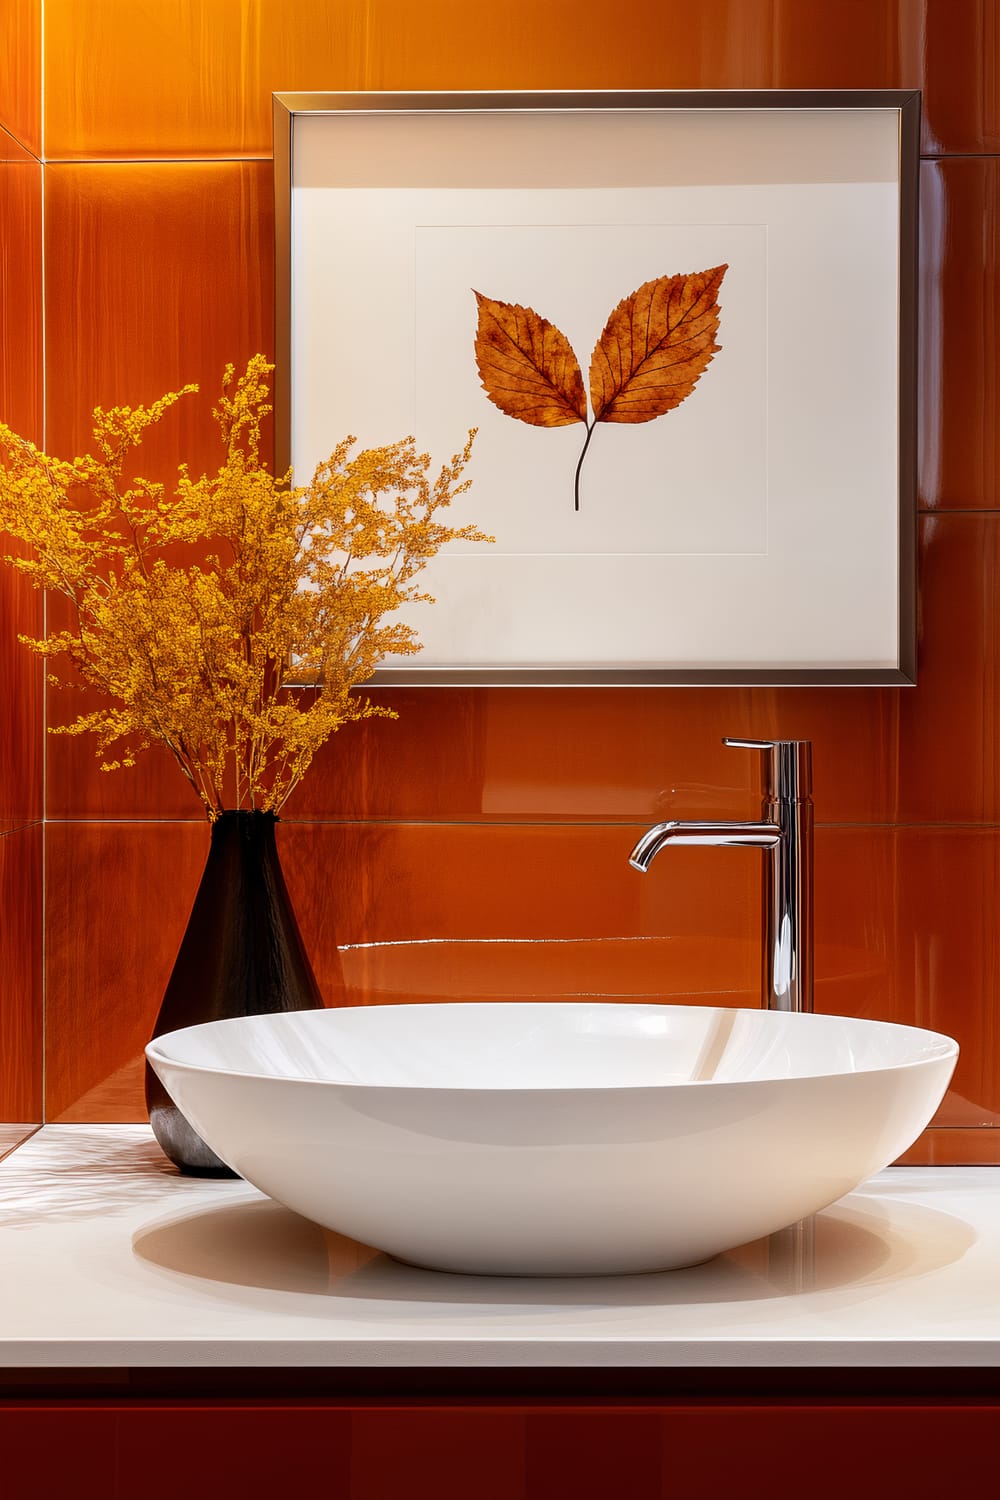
655,346
527,366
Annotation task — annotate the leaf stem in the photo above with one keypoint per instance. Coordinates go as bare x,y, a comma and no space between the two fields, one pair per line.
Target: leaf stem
579,466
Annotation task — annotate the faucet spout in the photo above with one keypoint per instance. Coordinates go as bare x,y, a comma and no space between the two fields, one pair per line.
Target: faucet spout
752,835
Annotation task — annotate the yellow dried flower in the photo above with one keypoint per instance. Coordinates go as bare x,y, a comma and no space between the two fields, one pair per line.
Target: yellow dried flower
193,651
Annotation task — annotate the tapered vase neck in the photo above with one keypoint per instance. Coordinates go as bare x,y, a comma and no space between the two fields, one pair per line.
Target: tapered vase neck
251,829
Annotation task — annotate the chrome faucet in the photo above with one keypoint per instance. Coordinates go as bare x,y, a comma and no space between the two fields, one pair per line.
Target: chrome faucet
785,833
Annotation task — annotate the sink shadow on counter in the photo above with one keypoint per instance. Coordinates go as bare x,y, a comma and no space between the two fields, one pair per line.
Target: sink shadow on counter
263,1246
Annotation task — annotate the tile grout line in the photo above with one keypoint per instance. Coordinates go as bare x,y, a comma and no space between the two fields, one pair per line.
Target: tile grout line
640,820
41,83
151,161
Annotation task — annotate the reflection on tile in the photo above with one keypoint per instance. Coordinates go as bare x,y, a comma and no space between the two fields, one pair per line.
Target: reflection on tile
917,906
948,761
21,409
952,45
193,77
962,1147
21,725
21,728
155,276
932,45
215,95
21,296
21,72
21,975
376,883
641,968
117,900
959,364
599,753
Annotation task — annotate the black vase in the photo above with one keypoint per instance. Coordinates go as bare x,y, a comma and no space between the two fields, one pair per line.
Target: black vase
242,955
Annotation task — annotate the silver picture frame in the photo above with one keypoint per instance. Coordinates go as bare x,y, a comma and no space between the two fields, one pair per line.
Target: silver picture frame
291,107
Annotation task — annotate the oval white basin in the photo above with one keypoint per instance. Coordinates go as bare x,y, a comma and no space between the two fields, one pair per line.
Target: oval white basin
564,1138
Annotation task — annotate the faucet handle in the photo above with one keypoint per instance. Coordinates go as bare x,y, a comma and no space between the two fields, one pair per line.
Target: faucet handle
787,767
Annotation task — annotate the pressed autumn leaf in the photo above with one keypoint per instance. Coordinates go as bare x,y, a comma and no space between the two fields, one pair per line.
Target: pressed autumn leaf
527,366
654,347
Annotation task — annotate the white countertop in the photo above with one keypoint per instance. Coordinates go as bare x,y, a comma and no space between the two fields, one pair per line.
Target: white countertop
109,1258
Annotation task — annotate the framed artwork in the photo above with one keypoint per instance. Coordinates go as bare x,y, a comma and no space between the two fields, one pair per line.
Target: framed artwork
683,325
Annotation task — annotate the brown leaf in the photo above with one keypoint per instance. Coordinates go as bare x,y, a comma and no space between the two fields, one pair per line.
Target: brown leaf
527,367
655,345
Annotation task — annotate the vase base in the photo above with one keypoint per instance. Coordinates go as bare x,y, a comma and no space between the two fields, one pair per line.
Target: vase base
187,1170
183,1145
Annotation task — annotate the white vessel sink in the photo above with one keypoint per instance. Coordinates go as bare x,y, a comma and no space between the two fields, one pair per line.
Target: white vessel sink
556,1138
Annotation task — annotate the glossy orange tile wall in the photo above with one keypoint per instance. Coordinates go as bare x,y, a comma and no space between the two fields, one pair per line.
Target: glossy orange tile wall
21,72
21,725
21,975
20,288
155,276
489,814
20,408
166,78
